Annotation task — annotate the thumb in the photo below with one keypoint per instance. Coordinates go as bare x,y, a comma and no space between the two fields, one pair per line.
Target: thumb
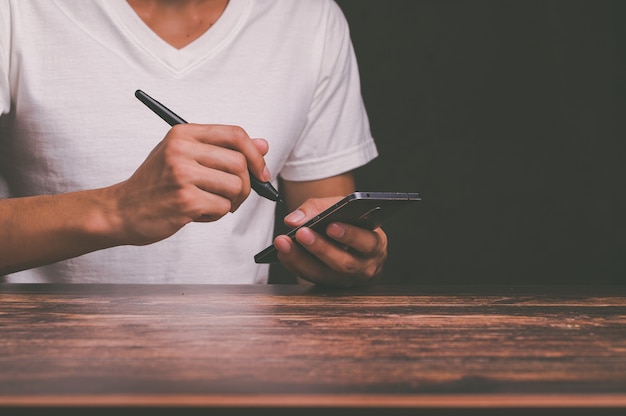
309,209
262,145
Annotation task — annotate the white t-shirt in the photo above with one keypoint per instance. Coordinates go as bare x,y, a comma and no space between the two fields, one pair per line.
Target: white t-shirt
283,70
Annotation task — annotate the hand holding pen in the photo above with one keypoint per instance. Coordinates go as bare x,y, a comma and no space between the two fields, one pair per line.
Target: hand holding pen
196,173
264,189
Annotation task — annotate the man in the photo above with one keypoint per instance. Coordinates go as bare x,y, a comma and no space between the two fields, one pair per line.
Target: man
277,85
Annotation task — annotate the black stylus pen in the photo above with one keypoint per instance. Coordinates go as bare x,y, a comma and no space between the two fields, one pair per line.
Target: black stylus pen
265,189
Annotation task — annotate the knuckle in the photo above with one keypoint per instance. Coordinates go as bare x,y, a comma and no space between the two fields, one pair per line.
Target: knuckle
173,147
351,267
239,163
238,134
177,129
185,201
237,185
372,271
356,271
180,173
245,191
236,189
380,246
223,206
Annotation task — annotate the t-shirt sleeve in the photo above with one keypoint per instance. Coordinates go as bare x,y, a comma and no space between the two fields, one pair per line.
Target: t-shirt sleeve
336,137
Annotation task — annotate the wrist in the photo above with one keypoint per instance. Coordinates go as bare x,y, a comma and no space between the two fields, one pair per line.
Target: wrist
100,220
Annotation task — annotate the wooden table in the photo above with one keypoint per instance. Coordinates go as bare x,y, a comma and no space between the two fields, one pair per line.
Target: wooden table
303,350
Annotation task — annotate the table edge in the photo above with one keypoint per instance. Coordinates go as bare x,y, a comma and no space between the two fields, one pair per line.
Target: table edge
324,401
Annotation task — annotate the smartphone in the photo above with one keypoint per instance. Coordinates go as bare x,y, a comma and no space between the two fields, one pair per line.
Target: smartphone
363,209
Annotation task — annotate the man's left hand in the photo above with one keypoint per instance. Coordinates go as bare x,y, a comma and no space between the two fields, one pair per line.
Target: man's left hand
345,256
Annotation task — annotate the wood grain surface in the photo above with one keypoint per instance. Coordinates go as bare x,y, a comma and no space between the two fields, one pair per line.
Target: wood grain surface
301,347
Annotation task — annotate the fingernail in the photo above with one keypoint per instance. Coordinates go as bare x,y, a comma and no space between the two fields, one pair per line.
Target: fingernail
335,231
296,216
282,246
306,237
266,174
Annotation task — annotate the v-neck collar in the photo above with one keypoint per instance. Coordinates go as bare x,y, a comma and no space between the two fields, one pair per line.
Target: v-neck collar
179,61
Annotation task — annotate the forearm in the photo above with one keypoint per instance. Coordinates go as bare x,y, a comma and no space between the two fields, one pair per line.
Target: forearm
45,229
196,173
296,193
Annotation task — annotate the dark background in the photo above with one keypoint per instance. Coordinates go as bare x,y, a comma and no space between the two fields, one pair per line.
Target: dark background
507,116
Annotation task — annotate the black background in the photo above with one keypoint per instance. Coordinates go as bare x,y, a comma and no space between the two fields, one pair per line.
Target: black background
507,116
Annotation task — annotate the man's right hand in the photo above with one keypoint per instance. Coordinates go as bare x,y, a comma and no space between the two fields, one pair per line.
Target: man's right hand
196,173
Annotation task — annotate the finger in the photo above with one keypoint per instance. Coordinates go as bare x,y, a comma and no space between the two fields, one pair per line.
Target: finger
226,161
296,218
194,204
232,187
334,256
211,168
367,243
308,210
262,145
197,186
210,160
301,263
234,138
214,207
220,158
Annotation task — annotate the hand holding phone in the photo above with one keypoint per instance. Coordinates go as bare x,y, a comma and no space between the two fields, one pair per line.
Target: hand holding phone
363,209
